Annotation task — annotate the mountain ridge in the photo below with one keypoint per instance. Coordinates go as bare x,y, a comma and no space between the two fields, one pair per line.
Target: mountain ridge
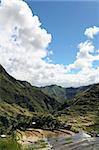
61,94
11,90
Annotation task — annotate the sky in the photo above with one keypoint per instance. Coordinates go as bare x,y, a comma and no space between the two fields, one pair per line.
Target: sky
50,42
66,21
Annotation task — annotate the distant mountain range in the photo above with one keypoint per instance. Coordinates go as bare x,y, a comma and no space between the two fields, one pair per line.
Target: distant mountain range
47,98
62,94
20,97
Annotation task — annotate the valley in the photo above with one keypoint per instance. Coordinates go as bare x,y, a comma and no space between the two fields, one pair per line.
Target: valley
52,110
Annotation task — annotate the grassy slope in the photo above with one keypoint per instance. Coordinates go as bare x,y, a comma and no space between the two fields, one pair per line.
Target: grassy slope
83,112
19,101
23,94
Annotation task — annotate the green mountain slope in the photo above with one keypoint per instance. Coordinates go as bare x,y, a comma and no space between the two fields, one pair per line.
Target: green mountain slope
24,95
21,103
62,94
86,101
83,110
56,92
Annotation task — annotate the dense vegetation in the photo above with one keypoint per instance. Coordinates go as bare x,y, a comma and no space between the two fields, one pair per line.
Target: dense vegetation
42,121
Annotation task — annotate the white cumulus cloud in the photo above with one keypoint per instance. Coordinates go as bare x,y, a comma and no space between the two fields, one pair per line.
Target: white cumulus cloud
85,56
24,50
90,32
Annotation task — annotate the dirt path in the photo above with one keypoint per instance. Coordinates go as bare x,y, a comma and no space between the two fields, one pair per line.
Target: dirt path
34,137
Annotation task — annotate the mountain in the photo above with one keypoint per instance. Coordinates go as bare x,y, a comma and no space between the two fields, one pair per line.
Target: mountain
62,94
79,106
49,98
56,92
82,112
21,103
87,100
21,94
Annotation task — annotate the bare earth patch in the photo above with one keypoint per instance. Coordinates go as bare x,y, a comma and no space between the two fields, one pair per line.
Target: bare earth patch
38,136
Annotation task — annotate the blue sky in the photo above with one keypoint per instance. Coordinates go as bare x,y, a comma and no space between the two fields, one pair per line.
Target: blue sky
66,21
31,30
